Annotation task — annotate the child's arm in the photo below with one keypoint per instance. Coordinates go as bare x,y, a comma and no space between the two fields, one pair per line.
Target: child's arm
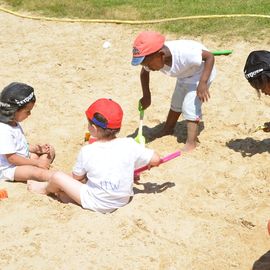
202,89
79,178
155,160
20,161
145,79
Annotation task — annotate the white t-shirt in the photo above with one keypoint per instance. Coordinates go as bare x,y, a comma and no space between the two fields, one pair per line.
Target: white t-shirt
109,167
187,63
12,140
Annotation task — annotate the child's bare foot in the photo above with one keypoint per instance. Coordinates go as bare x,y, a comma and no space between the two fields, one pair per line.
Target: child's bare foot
37,187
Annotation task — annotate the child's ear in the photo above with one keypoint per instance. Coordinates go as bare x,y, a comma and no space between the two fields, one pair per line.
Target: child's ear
161,52
95,128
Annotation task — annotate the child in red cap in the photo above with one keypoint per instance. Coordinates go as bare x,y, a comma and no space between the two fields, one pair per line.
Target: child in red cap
104,171
257,72
193,66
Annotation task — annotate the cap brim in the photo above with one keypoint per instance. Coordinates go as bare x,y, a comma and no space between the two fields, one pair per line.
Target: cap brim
137,60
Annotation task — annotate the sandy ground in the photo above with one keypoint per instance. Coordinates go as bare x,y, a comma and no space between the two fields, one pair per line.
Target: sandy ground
205,210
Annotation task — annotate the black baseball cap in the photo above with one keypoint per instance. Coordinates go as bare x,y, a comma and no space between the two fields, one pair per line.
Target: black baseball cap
257,63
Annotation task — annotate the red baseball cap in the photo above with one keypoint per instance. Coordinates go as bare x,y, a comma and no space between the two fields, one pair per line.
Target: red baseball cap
146,43
109,109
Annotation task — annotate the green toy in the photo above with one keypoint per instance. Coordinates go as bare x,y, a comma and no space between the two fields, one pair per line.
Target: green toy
140,138
223,52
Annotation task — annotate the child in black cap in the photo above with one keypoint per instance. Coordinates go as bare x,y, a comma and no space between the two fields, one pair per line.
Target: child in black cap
257,72
20,161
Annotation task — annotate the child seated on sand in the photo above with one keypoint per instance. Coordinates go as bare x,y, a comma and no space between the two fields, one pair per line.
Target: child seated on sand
20,161
103,173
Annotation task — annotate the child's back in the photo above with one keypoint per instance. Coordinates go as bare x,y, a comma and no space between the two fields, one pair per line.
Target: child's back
109,168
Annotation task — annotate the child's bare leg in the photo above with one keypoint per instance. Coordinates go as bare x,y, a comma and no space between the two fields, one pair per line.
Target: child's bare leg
170,123
63,197
192,135
66,188
34,156
61,183
26,172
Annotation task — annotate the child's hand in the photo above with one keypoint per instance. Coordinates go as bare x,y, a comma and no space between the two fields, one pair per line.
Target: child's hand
145,102
42,149
136,178
203,92
266,127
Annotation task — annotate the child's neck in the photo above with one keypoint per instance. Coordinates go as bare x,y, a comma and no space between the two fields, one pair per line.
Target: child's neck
13,123
105,139
167,56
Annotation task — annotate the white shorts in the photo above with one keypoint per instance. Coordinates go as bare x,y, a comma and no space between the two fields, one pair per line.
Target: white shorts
186,101
8,174
89,201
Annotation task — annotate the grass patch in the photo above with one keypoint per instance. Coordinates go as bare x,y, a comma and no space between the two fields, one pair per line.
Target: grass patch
245,27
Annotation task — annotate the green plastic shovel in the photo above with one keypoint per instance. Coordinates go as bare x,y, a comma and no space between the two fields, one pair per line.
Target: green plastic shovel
140,138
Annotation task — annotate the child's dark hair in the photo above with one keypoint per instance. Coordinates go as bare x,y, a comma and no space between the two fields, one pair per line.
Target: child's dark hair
106,133
260,82
13,98
257,69
263,263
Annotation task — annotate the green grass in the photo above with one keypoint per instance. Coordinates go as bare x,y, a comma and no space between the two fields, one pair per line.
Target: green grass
247,28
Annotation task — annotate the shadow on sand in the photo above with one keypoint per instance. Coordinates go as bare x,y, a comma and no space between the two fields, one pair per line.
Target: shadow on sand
152,187
180,132
249,147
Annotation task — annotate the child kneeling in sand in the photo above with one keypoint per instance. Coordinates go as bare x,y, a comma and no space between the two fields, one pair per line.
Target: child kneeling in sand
18,160
104,171
193,67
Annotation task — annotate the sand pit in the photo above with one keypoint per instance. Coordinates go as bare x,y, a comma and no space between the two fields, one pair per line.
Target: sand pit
204,210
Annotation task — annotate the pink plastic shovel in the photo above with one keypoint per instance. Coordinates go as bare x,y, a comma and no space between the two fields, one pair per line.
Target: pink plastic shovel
163,160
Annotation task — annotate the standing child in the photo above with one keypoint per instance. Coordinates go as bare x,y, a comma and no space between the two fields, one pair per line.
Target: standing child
257,72
103,174
193,66
18,160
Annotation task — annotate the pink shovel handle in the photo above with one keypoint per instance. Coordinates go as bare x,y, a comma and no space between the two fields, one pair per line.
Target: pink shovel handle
163,160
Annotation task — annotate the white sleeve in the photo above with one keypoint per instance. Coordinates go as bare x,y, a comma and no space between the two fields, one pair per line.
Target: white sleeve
78,168
142,155
7,142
